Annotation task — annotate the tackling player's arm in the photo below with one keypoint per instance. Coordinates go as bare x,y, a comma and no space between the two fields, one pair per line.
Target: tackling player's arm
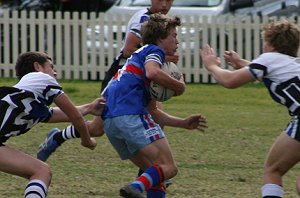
227,78
235,60
95,108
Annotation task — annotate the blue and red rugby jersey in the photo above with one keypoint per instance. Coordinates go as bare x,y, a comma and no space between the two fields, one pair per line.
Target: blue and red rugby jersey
128,92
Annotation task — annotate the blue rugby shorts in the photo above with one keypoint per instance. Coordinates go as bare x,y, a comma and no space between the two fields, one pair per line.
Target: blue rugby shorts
129,133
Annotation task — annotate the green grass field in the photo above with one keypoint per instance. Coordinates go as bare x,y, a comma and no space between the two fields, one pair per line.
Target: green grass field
224,162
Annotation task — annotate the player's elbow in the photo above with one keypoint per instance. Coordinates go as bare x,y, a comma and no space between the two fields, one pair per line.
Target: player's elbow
152,74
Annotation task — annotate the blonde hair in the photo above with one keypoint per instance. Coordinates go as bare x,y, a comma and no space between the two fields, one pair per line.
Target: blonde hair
283,36
158,27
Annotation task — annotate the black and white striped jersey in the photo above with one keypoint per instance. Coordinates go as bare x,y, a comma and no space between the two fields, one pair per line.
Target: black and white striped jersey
281,75
27,103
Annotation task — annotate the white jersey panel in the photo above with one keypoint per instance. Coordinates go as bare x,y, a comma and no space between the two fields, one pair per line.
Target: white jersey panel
281,75
135,23
278,67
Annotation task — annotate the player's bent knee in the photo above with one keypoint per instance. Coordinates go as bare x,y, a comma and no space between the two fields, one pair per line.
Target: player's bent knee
175,171
96,127
172,171
97,133
44,173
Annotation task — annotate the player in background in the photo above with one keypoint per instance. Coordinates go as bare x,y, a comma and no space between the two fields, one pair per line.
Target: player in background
26,104
127,121
133,39
278,67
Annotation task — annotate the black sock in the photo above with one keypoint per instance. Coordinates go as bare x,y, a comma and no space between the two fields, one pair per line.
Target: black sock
140,172
271,197
58,138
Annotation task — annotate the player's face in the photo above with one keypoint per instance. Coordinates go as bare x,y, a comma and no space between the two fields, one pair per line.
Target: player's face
170,44
162,6
48,68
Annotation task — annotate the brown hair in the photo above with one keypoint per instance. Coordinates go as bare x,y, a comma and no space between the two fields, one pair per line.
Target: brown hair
158,27
25,62
283,36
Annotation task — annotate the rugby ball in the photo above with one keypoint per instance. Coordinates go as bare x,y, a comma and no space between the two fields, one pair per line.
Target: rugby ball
159,92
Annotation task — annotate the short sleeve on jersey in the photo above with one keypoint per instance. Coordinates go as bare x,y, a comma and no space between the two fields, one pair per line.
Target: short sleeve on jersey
43,85
258,67
136,21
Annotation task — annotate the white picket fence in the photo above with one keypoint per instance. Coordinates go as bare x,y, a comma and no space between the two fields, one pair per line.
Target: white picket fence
84,48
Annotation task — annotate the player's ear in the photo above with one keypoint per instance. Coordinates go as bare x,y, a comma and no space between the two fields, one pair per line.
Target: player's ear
37,66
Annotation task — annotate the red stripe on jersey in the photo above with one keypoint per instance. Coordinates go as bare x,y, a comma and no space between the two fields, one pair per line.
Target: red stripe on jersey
134,69
131,69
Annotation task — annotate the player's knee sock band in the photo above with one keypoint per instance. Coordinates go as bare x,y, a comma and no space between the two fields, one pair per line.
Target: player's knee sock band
271,191
70,132
35,189
152,176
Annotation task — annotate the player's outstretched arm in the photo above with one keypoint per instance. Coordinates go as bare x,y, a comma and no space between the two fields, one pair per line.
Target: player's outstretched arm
227,78
196,121
234,59
95,108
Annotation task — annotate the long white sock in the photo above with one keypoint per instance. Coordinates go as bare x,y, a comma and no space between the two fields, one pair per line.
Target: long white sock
35,189
271,190
70,132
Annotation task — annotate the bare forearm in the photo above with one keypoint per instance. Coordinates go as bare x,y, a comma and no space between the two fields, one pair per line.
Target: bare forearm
163,118
222,76
60,116
243,63
95,108
85,109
